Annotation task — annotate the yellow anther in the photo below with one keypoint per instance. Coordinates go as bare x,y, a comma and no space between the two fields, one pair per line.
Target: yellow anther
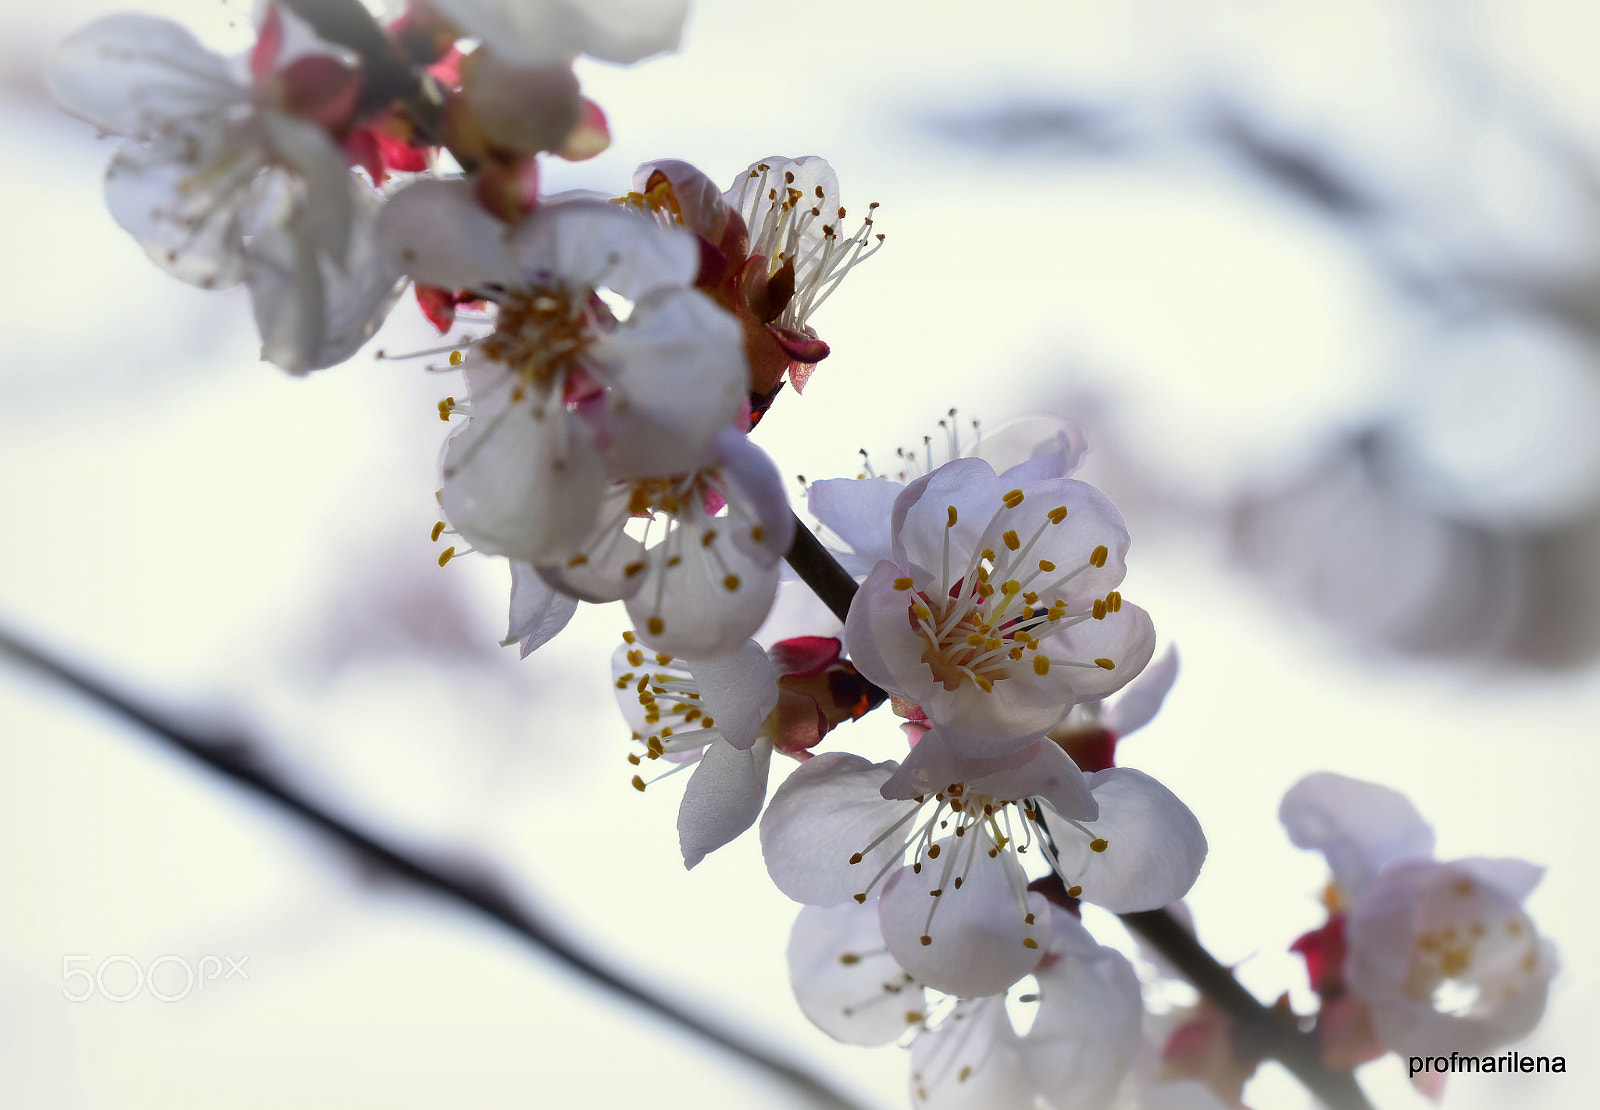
1046,565
1027,919
1099,610
933,851
1057,514
638,784
1016,653
1029,942
1098,845
993,644
633,569
1114,602
1013,499
635,658
1105,664
1097,558
1011,587
438,530
922,611
446,555
662,659
988,553
1041,665
1074,891
456,358
709,538
758,533
849,958
926,940
709,723
1030,598
974,640
655,625
964,1074
1010,538
983,684
951,522
902,583
731,582
629,638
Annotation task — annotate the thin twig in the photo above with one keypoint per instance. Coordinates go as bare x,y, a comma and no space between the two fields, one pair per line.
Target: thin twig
1262,1029
233,757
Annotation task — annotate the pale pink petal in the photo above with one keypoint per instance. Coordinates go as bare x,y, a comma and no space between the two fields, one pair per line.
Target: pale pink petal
1141,699
437,233
1087,1030
845,981
826,812
971,1062
1361,827
537,611
1153,846
972,937
857,510
723,798
738,689
131,74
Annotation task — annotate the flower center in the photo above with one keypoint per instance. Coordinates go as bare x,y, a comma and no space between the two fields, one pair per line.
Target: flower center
540,333
981,632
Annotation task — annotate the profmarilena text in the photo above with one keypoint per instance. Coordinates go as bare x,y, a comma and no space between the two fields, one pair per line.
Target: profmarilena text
1505,1062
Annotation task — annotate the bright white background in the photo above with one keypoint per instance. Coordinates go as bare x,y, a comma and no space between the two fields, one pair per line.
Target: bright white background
213,534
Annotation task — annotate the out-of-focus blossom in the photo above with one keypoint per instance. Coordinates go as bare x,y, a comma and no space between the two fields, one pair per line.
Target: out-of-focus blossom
941,840
234,173
570,390
998,609
969,1056
703,577
542,32
1419,957
726,716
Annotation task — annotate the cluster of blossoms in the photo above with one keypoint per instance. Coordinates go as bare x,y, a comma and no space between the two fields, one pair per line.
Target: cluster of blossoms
617,353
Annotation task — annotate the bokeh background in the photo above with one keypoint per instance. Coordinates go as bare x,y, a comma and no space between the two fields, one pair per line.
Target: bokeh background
1322,280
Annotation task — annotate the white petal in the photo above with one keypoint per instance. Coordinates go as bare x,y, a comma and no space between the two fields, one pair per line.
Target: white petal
315,310
1125,638
538,32
824,813
739,689
537,611
437,233
190,224
134,74
1141,699
1031,448
845,981
587,244
1154,846
920,518
1361,827
708,603
723,798
857,510
1087,1031
757,491
976,932
1040,770
520,486
678,376
971,1062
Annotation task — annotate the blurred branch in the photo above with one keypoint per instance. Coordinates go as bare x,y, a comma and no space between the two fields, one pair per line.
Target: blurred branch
234,757
1262,1029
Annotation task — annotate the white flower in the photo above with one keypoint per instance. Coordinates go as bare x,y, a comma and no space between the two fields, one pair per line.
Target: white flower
725,717
998,609
967,1054
1445,957
943,836
858,510
570,390
702,576
543,32
1442,955
227,176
